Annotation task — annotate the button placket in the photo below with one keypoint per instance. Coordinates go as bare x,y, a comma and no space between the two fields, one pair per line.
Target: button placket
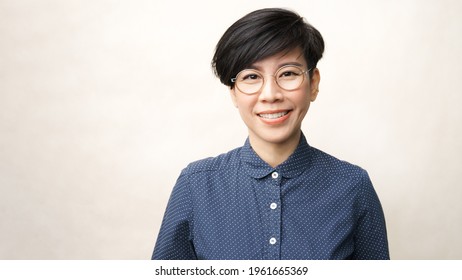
274,214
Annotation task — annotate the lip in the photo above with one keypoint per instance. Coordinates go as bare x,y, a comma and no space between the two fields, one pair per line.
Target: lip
274,121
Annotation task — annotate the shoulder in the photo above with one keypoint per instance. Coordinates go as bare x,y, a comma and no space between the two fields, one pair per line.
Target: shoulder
333,166
223,161
346,178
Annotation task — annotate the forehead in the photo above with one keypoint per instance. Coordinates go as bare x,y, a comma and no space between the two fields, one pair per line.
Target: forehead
293,56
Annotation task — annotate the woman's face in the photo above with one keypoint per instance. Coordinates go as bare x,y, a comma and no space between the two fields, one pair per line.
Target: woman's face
273,115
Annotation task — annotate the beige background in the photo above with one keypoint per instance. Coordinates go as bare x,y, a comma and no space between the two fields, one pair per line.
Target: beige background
102,103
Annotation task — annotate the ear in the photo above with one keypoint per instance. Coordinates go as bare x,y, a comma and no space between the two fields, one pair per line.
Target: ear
314,84
232,93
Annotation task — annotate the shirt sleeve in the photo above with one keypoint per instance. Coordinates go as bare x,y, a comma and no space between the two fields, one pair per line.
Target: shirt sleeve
371,234
174,241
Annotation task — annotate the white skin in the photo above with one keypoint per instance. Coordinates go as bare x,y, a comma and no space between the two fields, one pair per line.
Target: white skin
275,139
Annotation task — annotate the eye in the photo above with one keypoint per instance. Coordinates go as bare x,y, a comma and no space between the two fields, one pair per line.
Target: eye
289,74
250,77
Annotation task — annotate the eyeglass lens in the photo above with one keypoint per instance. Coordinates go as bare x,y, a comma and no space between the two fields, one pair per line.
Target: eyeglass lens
288,78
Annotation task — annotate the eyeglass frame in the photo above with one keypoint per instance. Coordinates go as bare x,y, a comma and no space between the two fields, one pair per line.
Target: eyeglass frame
233,80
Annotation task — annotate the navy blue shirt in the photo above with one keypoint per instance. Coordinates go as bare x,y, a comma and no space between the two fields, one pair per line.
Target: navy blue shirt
236,206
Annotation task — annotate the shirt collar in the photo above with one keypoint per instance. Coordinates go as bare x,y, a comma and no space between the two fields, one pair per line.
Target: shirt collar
292,167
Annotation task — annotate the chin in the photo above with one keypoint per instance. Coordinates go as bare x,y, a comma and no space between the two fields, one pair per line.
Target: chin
277,138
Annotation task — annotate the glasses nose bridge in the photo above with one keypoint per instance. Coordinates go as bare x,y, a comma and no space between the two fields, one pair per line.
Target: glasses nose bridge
271,75
272,93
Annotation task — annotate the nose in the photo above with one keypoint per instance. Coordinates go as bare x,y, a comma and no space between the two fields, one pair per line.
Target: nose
270,92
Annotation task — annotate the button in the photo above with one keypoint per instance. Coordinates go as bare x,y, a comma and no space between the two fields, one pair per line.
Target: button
275,175
272,241
273,205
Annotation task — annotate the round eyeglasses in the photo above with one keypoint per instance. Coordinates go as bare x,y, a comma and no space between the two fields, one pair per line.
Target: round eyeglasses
288,77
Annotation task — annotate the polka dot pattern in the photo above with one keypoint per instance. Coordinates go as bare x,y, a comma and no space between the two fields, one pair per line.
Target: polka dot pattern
236,206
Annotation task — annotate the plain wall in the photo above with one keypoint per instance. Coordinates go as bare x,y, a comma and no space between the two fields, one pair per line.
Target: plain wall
102,103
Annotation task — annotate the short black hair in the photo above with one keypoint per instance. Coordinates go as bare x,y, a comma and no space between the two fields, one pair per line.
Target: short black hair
261,34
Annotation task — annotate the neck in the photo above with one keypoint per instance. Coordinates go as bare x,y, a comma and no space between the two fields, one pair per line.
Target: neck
275,153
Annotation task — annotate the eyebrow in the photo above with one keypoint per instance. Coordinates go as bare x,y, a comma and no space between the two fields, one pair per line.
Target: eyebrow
253,66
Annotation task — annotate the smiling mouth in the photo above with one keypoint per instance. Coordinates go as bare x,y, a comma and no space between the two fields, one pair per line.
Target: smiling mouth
273,115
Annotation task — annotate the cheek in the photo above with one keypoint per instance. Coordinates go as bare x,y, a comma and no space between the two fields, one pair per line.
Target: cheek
302,99
245,104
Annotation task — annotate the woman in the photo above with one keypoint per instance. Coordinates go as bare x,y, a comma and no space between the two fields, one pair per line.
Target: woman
276,197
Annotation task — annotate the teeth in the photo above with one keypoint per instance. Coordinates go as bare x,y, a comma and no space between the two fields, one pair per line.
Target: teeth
273,116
